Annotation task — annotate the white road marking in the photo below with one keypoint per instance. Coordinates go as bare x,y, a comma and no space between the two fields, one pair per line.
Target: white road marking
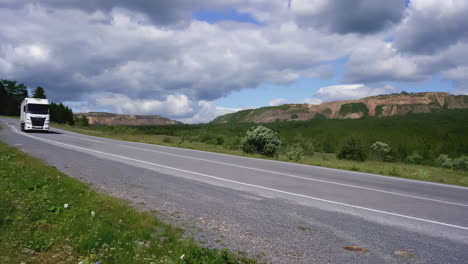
92,140
388,178
250,185
299,177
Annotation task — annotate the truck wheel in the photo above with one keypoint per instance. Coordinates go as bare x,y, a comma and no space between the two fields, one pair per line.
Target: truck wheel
22,127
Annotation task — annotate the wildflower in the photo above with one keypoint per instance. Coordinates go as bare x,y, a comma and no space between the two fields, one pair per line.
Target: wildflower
65,206
93,214
182,257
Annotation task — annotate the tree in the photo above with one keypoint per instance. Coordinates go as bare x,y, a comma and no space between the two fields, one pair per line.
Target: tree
62,114
3,99
83,121
352,149
11,96
261,140
39,93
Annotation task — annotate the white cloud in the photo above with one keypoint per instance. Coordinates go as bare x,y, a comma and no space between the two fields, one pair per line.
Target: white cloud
431,25
173,105
206,112
459,75
278,101
178,107
154,57
347,92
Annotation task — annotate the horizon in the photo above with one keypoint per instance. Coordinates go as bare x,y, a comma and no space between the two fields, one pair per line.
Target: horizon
194,61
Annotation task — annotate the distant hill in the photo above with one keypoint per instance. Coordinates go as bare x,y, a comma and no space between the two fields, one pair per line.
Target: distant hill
379,106
101,118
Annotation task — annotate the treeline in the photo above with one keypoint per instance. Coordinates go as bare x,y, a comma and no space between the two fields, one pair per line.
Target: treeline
61,114
11,96
13,93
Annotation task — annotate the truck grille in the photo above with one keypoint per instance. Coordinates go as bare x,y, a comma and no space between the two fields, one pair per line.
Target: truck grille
38,121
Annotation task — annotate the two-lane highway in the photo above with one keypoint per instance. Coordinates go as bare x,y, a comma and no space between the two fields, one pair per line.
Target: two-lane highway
290,212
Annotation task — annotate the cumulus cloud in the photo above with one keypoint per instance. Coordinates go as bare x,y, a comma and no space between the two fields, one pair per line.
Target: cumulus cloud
179,107
378,61
460,77
278,101
173,105
158,12
347,92
432,25
154,57
351,16
202,61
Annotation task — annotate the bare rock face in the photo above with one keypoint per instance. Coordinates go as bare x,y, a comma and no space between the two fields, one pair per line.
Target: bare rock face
98,118
380,106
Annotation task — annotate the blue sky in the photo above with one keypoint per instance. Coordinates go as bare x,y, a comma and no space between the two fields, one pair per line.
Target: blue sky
195,60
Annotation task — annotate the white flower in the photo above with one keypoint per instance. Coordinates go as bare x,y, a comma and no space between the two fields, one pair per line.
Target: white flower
65,206
93,214
182,257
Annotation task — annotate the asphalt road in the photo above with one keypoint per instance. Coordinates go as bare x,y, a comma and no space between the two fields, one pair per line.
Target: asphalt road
283,212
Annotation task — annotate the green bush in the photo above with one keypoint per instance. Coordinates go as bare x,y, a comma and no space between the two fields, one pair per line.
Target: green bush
414,158
261,140
444,161
220,140
352,149
461,163
308,148
381,151
295,153
82,121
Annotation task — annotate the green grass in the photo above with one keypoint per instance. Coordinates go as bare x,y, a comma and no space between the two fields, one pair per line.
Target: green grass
396,169
48,217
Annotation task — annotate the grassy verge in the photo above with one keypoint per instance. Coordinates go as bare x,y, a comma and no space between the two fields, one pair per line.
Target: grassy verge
48,217
396,169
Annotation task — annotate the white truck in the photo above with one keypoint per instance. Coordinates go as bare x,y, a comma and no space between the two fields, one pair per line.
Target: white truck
35,114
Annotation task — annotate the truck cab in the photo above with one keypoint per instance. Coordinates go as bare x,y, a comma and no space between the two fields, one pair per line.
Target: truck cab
35,114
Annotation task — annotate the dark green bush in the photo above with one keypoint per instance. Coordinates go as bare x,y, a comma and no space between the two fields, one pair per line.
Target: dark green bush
352,149
220,140
261,140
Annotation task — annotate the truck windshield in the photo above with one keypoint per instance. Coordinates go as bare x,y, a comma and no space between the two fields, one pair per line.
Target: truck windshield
38,109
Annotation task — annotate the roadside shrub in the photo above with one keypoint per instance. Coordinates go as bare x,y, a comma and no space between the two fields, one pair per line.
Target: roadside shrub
352,149
382,151
414,158
308,148
461,163
444,161
220,140
261,140
233,143
295,153
83,121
